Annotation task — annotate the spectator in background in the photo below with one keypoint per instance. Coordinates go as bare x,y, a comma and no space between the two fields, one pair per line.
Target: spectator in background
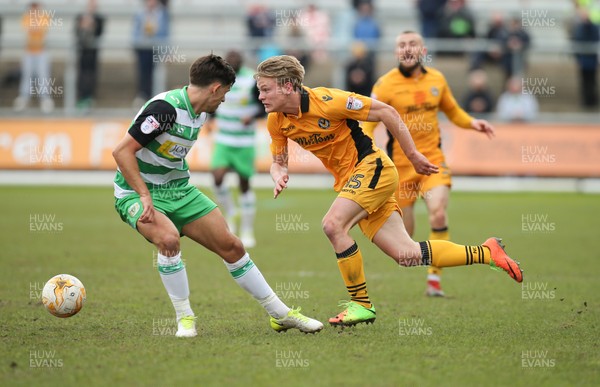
366,28
514,47
478,98
317,28
260,22
360,71
457,21
150,31
495,35
430,16
357,3
516,106
88,29
592,7
35,65
261,25
587,35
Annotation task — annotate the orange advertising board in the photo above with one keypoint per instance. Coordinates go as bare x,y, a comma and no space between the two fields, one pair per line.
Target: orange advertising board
518,149
527,150
570,150
58,144
87,144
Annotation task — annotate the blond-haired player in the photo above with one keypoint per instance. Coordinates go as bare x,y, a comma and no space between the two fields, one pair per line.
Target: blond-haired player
325,122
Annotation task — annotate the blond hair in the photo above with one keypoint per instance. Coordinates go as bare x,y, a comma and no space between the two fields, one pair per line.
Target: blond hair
283,68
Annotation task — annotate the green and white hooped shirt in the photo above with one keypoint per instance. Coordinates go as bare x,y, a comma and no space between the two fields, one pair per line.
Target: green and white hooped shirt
167,127
241,102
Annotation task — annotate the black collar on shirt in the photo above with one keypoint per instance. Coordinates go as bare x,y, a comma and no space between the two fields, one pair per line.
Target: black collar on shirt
303,100
406,74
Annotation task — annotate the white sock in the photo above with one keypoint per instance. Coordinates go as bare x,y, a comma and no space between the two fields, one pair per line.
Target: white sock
248,204
225,199
247,275
174,277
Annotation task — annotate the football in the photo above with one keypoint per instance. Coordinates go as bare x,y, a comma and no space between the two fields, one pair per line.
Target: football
63,295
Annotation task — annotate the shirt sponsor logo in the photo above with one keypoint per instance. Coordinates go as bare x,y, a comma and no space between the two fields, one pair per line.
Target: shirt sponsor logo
149,125
418,108
172,150
313,139
354,103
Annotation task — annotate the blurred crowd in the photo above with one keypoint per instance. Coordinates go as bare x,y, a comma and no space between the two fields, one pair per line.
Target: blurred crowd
358,25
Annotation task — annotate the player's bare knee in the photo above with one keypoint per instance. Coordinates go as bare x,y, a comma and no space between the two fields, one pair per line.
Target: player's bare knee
232,249
437,218
237,247
168,244
331,227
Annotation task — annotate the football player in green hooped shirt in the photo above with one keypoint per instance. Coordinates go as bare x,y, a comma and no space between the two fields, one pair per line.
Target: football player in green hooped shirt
153,195
234,148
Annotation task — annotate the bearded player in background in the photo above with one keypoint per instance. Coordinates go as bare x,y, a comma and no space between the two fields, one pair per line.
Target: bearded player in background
418,93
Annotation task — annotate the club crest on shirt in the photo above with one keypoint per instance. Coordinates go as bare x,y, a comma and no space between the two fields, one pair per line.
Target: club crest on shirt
353,103
149,125
323,123
435,91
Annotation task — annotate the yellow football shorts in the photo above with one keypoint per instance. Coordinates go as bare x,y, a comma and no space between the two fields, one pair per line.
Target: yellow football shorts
412,185
372,185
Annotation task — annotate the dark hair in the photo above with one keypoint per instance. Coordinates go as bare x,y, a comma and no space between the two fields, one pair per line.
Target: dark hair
209,69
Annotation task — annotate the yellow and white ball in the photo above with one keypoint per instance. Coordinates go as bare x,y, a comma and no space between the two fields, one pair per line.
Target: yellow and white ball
63,295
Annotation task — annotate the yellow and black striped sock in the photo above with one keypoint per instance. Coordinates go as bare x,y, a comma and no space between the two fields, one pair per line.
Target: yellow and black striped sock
447,254
438,234
351,267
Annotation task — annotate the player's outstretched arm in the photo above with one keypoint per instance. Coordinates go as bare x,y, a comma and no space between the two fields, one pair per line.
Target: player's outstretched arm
279,172
124,155
392,121
461,118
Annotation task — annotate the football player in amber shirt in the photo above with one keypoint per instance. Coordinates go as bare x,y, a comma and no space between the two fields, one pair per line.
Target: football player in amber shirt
325,122
418,93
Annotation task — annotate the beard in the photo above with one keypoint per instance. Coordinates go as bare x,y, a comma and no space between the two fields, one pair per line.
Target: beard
407,71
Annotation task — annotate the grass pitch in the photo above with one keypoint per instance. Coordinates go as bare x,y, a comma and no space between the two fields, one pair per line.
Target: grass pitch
488,331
